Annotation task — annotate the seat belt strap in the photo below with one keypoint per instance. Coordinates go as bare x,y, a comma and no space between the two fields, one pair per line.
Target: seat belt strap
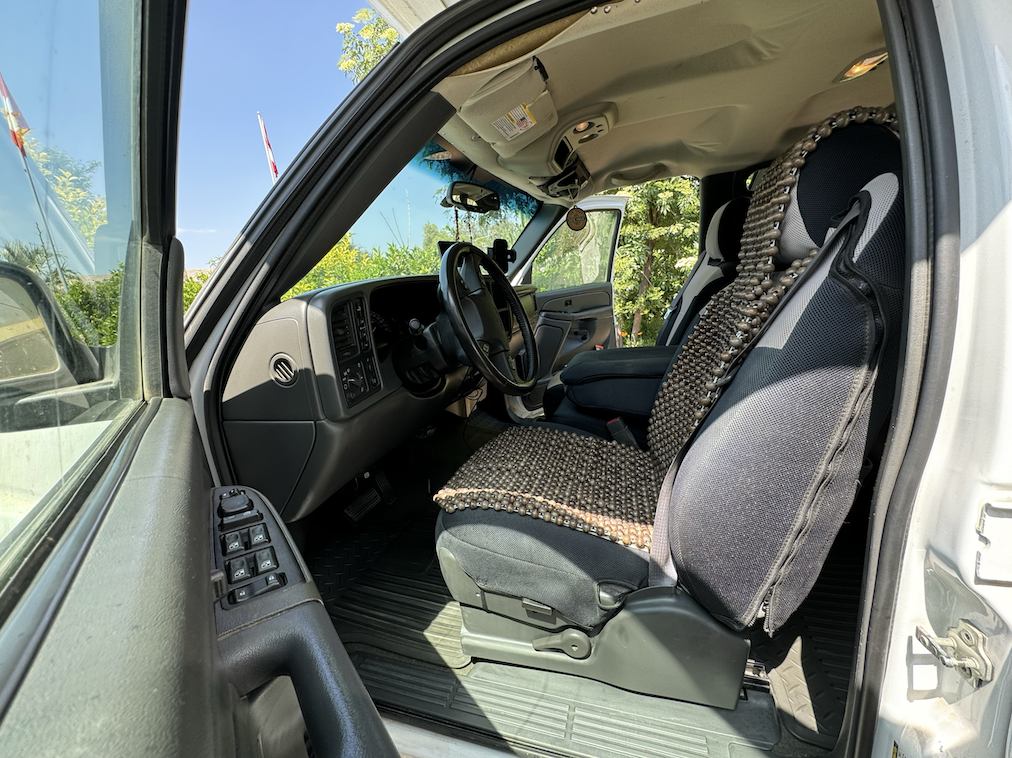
662,571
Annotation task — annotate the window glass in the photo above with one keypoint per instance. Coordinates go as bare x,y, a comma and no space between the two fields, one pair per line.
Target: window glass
399,233
571,258
69,82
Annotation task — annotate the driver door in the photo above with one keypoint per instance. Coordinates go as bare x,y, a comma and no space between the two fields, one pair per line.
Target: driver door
112,598
572,271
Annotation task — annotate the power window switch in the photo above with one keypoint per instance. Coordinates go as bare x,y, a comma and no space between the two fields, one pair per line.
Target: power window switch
258,535
266,561
239,570
241,594
233,543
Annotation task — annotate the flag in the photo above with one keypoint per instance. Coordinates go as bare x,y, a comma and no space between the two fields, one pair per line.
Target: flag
15,121
270,153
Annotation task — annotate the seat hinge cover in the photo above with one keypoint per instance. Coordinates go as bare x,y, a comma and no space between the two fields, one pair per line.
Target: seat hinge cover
963,649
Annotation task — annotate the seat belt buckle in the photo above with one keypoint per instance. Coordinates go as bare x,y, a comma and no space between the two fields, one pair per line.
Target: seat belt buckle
620,432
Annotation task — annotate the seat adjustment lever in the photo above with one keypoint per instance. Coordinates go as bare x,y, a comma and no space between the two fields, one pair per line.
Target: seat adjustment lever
572,642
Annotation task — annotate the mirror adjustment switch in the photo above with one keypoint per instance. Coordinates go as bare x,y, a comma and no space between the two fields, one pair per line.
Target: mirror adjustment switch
266,561
233,543
234,501
239,570
258,535
241,519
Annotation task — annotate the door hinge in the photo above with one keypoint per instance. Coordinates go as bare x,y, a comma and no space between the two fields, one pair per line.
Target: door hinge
962,649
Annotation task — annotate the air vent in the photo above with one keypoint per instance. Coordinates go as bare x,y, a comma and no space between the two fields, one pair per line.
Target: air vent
283,370
342,331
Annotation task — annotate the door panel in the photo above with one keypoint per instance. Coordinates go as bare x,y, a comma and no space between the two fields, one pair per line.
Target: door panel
569,322
572,270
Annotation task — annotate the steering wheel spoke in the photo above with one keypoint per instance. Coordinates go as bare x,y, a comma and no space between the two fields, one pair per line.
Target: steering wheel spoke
469,299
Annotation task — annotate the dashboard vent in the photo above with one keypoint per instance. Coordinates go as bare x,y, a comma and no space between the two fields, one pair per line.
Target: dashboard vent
283,370
341,329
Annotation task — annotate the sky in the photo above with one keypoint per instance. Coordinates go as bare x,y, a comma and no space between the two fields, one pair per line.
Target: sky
278,58
240,57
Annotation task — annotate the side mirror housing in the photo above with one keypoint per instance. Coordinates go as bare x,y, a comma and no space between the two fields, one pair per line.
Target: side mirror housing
37,349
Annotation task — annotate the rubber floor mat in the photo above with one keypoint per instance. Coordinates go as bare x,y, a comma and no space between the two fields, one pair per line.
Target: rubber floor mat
552,713
810,659
402,605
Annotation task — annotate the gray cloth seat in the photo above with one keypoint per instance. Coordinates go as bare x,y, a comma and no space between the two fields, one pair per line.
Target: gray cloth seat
581,578
597,386
776,450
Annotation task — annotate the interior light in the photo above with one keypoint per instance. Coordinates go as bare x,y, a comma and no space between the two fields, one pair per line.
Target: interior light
442,155
862,66
583,126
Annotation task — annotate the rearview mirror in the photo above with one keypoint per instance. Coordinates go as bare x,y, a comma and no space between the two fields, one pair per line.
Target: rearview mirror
471,197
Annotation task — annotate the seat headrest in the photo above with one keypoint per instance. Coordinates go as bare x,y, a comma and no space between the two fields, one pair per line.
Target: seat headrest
832,175
723,235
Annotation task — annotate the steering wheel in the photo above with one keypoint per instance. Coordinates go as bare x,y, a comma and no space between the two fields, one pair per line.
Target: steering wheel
468,302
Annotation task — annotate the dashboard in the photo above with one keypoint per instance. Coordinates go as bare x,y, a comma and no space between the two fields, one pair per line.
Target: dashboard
330,381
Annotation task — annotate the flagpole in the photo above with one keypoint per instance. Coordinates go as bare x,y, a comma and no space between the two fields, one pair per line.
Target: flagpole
45,223
271,165
18,128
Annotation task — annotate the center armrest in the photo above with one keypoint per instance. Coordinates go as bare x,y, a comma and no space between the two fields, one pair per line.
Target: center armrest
633,362
623,381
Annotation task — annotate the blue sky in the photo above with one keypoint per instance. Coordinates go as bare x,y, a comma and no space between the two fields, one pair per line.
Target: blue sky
276,57
240,57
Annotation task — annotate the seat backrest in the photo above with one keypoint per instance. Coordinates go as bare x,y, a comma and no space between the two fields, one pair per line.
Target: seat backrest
734,315
712,272
775,466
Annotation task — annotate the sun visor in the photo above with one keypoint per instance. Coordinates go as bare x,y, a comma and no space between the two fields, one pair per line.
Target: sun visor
513,109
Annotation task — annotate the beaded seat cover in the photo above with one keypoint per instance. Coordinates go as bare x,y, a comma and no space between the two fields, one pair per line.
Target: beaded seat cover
608,489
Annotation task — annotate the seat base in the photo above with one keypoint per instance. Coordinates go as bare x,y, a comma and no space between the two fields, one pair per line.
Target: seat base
661,642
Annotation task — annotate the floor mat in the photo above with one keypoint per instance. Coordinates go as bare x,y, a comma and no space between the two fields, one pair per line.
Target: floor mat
810,659
403,605
554,713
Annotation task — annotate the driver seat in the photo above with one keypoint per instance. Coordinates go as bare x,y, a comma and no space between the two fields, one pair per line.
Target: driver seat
572,553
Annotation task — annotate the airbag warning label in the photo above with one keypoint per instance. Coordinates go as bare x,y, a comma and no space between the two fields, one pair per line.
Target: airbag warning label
514,123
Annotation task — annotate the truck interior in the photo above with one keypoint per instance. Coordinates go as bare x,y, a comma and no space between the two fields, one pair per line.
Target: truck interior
544,583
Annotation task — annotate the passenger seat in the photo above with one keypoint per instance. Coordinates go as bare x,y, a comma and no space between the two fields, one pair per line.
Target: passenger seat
599,386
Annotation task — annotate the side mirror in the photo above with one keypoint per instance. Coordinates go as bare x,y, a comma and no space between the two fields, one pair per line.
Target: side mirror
35,343
471,197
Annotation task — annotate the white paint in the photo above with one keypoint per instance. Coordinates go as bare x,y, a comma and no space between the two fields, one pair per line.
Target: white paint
33,462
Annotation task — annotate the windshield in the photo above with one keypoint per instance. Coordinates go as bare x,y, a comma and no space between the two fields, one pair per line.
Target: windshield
399,233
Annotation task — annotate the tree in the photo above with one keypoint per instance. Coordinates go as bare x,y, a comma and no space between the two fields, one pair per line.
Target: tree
363,48
70,180
657,249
